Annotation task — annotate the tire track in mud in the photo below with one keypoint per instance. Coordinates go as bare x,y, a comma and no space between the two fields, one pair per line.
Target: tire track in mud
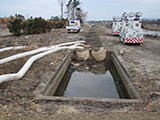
93,39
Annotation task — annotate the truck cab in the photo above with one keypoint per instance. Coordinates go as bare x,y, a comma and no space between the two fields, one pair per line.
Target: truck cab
74,26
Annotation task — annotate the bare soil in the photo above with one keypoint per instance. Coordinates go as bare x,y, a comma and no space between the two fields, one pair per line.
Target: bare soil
17,100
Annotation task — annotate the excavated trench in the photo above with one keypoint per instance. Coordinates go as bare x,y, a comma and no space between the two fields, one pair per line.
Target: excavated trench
92,79
85,61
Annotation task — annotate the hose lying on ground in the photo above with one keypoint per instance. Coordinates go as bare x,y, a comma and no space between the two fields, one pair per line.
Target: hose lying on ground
32,52
12,48
24,69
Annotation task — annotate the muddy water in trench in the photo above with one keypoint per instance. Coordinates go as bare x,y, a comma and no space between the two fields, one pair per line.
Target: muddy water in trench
94,81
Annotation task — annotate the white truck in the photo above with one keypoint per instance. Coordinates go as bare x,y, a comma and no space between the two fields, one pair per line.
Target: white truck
116,25
74,26
131,31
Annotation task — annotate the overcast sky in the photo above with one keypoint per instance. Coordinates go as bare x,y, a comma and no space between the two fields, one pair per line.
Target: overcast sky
97,9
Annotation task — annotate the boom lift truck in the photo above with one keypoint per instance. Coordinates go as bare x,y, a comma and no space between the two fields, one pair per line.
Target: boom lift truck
131,31
116,26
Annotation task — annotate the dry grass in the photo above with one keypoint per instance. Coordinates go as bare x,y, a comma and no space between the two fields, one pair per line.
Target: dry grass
6,20
31,47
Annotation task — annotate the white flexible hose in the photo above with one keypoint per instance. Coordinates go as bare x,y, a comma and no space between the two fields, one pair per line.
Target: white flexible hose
11,48
24,69
14,57
20,55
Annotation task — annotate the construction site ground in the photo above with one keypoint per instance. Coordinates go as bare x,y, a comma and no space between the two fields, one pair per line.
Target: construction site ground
17,100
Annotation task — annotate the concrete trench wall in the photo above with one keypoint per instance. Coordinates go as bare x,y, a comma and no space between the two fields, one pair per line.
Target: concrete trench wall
125,77
53,84
97,55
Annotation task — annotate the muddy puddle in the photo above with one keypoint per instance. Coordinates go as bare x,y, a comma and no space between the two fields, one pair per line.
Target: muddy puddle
92,81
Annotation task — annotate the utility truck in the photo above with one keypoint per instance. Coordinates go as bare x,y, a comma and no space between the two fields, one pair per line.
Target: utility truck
131,31
116,25
74,26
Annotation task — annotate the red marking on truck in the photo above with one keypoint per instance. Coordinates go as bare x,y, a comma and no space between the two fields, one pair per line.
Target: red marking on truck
134,40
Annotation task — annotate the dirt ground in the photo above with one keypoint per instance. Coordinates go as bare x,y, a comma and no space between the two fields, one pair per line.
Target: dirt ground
17,100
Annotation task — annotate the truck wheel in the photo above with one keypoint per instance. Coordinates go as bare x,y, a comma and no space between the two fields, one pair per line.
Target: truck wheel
120,38
124,41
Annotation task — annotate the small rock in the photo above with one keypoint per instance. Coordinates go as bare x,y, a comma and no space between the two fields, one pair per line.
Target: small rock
158,82
101,48
8,99
52,63
87,68
121,52
39,110
5,106
18,112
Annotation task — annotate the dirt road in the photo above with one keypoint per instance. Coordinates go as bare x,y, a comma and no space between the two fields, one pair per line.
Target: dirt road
141,61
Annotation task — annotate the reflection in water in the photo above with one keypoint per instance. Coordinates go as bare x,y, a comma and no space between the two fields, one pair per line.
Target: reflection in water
95,81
